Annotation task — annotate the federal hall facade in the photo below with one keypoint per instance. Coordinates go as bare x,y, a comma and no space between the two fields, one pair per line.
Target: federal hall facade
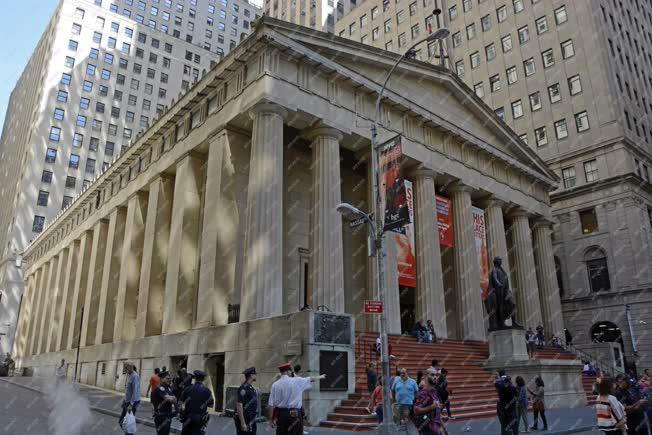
228,201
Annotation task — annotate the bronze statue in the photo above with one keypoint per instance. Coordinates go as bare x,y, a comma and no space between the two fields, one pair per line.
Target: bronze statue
500,299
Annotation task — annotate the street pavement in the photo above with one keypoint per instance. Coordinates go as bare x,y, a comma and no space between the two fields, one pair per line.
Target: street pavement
26,409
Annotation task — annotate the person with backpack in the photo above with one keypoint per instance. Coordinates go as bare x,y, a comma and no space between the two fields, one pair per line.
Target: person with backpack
427,408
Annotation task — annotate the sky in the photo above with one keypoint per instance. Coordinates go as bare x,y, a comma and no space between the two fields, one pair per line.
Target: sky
21,25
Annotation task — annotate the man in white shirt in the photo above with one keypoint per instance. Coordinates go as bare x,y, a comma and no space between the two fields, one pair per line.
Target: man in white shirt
286,401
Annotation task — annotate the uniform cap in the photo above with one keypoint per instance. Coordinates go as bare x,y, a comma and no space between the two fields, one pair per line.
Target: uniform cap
199,374
284,367
250,371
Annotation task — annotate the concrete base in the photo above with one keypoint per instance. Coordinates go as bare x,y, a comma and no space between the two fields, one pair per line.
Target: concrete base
506,346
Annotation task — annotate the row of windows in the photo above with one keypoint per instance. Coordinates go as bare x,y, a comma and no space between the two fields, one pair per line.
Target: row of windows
560,126
590,174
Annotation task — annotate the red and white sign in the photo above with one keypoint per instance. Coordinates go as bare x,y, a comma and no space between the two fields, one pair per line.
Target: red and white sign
445,221
405,252
480,233
373,307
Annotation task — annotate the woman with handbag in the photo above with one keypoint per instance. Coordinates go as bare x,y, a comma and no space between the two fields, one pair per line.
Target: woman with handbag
538,404
610,412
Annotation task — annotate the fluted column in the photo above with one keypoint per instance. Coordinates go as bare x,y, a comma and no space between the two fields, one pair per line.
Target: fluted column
110,276
131,259
467,268
22,332
326,268
496,239
525,288
183,257
151,296
33,319
48,302
94,282
213,293
54,321
553,322
392,295
66,299
430,284
38,313
262,292
79,292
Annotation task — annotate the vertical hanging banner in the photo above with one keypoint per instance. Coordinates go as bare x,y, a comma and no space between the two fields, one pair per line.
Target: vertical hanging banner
404,238
444,221
393,196
480,233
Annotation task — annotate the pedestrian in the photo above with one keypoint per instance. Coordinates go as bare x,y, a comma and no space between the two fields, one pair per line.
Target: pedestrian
154,382
376,401
433,365
132,391
538,404
286,401
588,369
635,405
610,413
296,370
62,372
164,403
378,345
443,393
541,338
431,331
405,391
506,405
530,340
427,408
9,364
372,378
196,399
164,372
183,381
522,404
420,332
247,406
419,378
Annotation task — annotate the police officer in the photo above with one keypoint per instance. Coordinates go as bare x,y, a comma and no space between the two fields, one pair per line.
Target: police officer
164,402
196,400
247,406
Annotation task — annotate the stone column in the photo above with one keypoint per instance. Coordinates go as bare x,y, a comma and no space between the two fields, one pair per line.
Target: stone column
213,293
38,314
183,255
94,282
496,239
54,321
326,250
36,307
79,293
526,291
50,288
553,322
66,298
131,259
392,295
467,267
262,291
149,320
430,284
110,276
24,316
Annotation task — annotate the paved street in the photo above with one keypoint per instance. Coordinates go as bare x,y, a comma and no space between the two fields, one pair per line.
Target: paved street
26,411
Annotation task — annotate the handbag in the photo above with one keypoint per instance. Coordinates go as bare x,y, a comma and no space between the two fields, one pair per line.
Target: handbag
538,406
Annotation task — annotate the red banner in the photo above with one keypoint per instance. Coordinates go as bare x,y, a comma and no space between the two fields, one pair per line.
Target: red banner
405,251
480,233
445,221
373,307
392,187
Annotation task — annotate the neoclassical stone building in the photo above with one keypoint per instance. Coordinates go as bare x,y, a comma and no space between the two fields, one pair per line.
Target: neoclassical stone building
205,238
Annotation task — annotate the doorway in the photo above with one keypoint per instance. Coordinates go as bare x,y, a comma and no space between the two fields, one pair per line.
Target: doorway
407,298
215,369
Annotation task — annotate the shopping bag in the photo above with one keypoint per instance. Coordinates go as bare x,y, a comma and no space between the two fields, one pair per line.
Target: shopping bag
129,423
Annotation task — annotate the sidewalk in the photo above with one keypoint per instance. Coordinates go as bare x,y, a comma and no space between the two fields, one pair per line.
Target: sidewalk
560,421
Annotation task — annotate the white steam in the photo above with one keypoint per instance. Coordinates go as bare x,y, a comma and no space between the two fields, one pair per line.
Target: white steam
70,413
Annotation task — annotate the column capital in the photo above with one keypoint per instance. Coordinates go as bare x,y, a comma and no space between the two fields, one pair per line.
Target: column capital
458,186
519,212
265,107
422,171
540,221
312,133
494,201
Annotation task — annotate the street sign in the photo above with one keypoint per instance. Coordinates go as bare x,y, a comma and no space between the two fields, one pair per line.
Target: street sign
373,307
359,221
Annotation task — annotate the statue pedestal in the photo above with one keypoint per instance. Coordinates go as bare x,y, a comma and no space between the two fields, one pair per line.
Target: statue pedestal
562,378
506,346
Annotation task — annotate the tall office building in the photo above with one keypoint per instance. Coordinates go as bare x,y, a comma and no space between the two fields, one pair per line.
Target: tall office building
100,74
572,79
317,14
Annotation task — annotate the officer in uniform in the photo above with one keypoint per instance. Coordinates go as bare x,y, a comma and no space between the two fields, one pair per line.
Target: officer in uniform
164,402
247,406
196,399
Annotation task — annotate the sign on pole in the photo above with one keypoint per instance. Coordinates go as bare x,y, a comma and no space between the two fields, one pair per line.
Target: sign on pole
373,307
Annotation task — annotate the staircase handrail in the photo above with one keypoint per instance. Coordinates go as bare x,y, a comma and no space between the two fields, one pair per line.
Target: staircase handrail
585,356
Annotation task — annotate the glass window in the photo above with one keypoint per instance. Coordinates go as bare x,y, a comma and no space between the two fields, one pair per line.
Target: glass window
90,166
490,51
512,75
70,62
400,17
523,35
470,31
62,96
567,49
55,134
97,37
582,121
500,112
65,79
561,129
568,177
50,155
506,42
77,140
485,22
452,12
529,67
108,58
88,86
548,58
466,5
71,182
108,148
38,224
542,25
112,42
560,15
46,177
501,14
81,121
574,85
475,60
518,6
535,101
554,93
517,109
494,83
59,114
457,38
591,170
541,136
479,89
76,28
42,199
74,161
459,67
72,45
106,74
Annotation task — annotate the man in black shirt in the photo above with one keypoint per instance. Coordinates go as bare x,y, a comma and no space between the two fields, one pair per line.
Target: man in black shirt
506,406
196,401
247,406
164,403
629,395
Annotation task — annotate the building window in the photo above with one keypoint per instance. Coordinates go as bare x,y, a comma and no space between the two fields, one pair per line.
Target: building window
77,140
591,170
81,121
518,6
55,134
466,5
500,113
561,129
494,83
567,49
50,155
94,144
475,60
568,177
589,221
76,29
506,42
37,225
554,93
71,182
529,67
87,86
485,23
560,15
523,137
59,114
512,76
548,58
46,177
90,166
452,12
582,121
42,199
501,14
67,200
457,36
574,85
72,45
374,13
74,161
542,25
70,62
459,67
479,89
415,31
523,35
65,79
597,270
535,102
470,31
541,136
108,148
517,109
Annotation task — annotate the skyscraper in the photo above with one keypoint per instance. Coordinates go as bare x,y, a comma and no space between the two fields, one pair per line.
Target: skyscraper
100,74
573,80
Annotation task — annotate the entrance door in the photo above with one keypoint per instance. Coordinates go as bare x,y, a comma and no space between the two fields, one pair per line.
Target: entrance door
218,383
408,309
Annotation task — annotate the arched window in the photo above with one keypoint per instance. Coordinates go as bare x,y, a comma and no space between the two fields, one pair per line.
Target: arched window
560,280
606,332
596,266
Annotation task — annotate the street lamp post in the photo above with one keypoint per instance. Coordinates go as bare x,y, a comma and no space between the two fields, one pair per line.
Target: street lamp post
387,426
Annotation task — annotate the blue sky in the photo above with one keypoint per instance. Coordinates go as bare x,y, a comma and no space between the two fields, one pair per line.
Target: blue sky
21,26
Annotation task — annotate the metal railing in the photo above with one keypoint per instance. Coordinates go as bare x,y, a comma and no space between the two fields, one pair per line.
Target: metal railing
601,364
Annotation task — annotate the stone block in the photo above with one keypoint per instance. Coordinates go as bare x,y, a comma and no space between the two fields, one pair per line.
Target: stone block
506,346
